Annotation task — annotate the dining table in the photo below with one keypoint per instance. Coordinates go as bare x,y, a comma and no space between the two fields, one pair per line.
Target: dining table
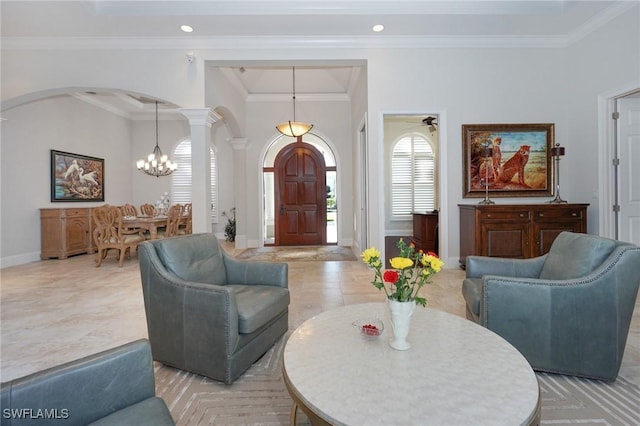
149,223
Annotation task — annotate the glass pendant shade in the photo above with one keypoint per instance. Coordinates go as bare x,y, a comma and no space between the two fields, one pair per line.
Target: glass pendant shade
157,164
294,128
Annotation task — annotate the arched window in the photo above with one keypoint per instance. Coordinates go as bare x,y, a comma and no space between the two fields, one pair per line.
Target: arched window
412,177
181,178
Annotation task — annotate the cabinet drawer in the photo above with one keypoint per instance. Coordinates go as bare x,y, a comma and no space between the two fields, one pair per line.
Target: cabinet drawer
512,215
564,213
76,212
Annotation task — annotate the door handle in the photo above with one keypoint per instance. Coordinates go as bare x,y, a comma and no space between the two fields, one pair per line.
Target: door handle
281,209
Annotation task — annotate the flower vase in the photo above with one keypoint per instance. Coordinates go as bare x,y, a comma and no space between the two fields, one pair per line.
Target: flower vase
400,313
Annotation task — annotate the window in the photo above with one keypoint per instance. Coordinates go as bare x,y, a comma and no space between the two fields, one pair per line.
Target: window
181,177
412,177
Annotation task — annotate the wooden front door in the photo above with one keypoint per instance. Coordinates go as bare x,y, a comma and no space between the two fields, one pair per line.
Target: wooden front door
300,196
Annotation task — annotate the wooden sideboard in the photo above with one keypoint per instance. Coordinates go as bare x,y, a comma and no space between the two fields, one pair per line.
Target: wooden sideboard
516,230
65,232
425,231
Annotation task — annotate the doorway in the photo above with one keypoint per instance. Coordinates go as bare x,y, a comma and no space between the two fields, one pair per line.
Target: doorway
628,153
300,195
619,174
272,223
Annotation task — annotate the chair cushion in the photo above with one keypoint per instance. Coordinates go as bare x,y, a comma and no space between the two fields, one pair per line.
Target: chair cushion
472,291
575,255
152,412
258,304
195,258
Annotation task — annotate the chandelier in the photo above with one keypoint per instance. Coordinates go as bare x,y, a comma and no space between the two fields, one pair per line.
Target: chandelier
294,128
157,164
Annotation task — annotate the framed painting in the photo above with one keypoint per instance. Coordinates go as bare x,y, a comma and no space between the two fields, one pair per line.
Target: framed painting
76,177
513,160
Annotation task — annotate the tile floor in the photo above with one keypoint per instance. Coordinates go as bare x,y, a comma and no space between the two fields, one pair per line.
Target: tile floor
55,311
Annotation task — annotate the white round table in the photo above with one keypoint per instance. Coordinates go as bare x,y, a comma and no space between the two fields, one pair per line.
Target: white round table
456,372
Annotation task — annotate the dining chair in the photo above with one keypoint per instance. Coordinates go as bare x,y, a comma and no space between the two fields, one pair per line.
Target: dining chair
109,233
129,210
147,209
186,223
174,217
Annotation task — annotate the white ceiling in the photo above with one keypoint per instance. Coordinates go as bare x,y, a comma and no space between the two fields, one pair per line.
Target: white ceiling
315,18
252,23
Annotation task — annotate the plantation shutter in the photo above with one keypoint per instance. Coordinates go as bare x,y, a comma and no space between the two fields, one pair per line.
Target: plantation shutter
412,177
181,177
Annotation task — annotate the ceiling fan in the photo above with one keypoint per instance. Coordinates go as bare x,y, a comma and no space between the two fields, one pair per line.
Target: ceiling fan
431,123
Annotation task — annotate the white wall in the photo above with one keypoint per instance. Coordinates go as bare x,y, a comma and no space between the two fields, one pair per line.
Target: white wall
473,86
607,60
28,134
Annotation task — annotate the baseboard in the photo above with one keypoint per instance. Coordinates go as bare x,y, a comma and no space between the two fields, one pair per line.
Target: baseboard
19,259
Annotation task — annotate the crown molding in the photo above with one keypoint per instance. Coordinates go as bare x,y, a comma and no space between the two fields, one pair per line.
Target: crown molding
277,42
92,100
599,21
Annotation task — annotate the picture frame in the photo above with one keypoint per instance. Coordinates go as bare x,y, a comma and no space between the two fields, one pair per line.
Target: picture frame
520,161
76,177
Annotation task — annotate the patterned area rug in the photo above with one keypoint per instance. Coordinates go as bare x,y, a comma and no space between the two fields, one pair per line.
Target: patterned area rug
259,397
298,254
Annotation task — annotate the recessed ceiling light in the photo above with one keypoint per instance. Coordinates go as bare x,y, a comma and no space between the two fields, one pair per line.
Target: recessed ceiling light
377,28
186,28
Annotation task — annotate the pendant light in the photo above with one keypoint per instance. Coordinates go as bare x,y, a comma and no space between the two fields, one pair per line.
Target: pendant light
294,128
156,164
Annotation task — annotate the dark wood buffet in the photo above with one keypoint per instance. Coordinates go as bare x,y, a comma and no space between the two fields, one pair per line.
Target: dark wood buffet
516,230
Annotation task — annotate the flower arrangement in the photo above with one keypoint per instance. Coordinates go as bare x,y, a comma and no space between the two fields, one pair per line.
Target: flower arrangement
411,271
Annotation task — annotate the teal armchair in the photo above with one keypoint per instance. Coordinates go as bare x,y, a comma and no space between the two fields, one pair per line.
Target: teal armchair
568,311
207,312
114,387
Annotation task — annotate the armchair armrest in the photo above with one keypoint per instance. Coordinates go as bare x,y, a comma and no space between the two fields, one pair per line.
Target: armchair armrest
87,389
256,273
478,266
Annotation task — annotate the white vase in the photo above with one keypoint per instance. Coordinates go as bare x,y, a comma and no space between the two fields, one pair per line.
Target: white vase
400,323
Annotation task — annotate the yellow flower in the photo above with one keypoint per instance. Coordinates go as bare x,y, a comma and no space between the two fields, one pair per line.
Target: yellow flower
370,253
401,263
436,264
433,262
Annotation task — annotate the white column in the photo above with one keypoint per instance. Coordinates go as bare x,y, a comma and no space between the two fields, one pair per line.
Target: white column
201,120
239,146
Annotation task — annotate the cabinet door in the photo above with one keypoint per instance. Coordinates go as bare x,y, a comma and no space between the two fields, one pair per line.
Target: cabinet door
505,239
546,232
78,234
548,223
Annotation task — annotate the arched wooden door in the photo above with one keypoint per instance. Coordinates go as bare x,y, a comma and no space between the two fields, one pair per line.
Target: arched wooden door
300,195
